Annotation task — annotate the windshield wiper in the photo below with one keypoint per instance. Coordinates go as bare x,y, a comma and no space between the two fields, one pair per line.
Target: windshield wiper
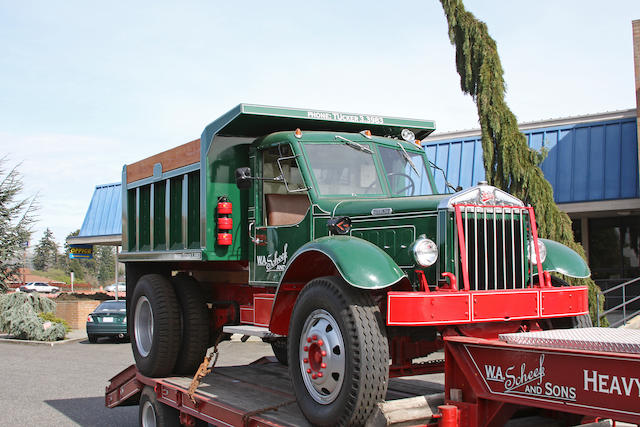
355,145
407,158
444,175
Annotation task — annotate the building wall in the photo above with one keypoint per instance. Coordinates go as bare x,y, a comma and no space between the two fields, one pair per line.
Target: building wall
590,161
76,312
636,63
592,165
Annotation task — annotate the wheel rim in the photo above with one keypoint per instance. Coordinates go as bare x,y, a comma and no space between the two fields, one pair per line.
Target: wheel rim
322,357
143,321
148,415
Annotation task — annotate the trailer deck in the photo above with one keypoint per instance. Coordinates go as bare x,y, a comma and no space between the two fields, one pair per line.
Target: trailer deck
573,375
244,395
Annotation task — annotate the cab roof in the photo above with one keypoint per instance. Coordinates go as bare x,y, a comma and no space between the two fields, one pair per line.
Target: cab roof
329,137
249,120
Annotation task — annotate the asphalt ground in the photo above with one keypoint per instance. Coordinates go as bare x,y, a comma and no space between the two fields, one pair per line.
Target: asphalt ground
64,384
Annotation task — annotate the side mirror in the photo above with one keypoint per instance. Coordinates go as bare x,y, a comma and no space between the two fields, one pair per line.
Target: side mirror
243,178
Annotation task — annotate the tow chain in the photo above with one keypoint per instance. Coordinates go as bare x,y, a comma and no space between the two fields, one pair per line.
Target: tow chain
204,369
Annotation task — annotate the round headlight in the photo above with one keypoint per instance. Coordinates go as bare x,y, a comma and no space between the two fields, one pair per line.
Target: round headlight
425,252
532,251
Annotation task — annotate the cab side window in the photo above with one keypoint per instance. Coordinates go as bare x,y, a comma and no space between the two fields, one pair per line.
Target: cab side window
285,198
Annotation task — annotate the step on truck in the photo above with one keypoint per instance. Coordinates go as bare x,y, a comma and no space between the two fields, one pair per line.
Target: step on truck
323,233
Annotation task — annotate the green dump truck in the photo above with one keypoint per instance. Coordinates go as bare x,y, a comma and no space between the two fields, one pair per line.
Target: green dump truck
324,234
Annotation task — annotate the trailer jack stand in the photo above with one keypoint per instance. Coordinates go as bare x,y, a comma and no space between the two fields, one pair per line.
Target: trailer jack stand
448,416
204,369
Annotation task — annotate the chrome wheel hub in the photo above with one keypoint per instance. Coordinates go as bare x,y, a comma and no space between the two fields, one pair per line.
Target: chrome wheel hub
143,326
322,356
148,415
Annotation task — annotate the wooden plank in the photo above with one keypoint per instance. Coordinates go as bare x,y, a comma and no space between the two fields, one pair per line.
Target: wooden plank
264,384
182,155
251,388
411,411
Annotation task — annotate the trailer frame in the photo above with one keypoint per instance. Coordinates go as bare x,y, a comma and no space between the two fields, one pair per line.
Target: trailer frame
486,382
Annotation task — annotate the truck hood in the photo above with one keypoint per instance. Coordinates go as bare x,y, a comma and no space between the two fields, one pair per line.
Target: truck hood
381,206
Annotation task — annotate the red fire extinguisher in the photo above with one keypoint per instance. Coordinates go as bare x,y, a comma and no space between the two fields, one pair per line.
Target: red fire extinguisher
224,221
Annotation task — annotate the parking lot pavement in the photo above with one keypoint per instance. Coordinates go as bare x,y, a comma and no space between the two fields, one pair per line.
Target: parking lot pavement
64,385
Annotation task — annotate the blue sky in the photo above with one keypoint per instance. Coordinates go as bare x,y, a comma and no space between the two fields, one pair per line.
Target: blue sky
86,87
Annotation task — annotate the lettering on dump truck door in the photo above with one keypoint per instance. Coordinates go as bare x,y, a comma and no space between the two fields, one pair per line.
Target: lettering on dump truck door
274,261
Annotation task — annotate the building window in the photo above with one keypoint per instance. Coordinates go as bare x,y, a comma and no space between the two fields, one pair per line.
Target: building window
576,226
614,248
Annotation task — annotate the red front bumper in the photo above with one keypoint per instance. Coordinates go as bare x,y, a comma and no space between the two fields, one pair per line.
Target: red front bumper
459,307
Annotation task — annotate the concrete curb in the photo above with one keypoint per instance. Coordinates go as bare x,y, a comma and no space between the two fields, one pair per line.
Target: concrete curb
73,336
41,343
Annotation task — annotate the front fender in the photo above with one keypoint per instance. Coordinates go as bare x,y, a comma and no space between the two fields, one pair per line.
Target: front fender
564,260
360,263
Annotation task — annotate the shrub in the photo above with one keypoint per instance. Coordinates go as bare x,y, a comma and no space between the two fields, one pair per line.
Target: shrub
19,317
51,317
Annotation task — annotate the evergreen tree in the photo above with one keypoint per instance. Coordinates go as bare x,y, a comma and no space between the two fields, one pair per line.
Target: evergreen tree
16,218
46,253
508,161
106,260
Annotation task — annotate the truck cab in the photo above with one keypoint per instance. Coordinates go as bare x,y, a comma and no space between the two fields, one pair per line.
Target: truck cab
303,179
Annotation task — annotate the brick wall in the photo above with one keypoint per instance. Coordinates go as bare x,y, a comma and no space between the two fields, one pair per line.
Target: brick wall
76,312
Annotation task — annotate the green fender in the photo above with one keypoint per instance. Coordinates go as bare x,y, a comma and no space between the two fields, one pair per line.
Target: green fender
564,260
360,263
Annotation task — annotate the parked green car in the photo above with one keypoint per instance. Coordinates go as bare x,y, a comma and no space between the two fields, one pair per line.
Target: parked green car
109,319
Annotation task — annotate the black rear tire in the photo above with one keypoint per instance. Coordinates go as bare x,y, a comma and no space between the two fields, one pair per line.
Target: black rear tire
153,413
279,348
155,328
337,331
195,324
92,338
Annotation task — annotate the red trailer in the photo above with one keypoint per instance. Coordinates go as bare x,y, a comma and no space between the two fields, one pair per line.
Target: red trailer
574,376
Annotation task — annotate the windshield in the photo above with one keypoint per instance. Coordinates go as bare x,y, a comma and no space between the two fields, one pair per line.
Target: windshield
112,306
406,172
342,169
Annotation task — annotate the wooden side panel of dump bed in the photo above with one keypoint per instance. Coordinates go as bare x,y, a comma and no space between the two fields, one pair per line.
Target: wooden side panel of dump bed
180,156
161,201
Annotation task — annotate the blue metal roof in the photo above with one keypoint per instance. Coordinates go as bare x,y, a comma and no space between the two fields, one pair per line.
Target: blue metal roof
104,216
586,161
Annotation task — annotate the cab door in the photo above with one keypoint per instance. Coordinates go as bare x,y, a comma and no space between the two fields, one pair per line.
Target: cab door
282,214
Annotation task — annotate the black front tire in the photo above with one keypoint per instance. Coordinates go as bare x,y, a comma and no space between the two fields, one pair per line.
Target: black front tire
153,413
155,328
337,331
194,325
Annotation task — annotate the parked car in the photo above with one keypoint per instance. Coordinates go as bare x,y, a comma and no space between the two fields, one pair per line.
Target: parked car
39,287
122,287
109,319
